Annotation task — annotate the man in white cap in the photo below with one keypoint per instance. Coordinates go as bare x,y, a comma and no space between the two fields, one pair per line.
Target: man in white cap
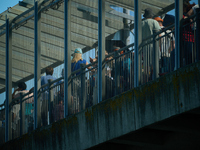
149,27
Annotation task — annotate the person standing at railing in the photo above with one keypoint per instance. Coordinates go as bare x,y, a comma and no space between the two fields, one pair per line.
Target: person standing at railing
192,11
93,76
45,95
167,44
187,44
20,91
149,27
77,61
49,76
76,64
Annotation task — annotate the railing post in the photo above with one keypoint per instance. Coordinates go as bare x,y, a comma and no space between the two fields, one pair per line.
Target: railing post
117,80
101,49
82,100
37,71
50,101
22,115
138,40
67,59
155,58
178,17
8,115
198,34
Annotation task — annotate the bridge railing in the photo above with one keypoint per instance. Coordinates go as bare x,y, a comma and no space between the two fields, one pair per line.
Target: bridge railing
156,57
190,39
118,78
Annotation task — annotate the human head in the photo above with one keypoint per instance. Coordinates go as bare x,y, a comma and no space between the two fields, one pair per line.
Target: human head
148,13
160,21
187,6
22,85
115,48
77,55
78,50
49,71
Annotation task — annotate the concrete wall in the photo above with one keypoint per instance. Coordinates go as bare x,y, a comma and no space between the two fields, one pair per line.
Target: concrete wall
169,95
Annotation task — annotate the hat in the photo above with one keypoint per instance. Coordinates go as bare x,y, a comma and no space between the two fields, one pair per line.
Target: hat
148,13
158,19
116,48
78,50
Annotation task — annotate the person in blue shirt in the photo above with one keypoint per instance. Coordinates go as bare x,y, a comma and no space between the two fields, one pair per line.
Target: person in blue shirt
77,61
49,75
45,95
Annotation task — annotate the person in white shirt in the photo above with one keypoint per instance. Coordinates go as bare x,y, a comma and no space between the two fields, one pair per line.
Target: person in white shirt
167,44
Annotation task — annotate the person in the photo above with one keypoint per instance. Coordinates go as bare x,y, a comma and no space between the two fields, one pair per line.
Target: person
149,27
76,63
192,11
49,76
20,91
187,36
168,20
45,95
167,44
94,76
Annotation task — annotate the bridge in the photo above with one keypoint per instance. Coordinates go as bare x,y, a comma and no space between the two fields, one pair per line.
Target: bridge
162,114
144,95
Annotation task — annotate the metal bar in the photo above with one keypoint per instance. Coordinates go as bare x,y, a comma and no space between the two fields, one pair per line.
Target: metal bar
21,126
67,59
35,65
37,72
101,47
178,14
8,116
82,101
136,61
156,69
197,34
22,115
50,101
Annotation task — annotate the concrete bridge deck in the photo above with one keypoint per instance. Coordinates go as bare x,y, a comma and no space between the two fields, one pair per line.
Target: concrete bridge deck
162,114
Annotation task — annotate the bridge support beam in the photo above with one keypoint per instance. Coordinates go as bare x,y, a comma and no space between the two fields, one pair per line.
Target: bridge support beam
67,59
101,50
178,17
37,65
138,41
8,115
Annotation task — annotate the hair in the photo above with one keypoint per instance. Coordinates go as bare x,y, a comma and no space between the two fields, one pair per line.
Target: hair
49,71
187,6
22,85
77,57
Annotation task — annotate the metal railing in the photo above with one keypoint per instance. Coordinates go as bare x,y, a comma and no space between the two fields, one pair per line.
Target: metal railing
156,58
